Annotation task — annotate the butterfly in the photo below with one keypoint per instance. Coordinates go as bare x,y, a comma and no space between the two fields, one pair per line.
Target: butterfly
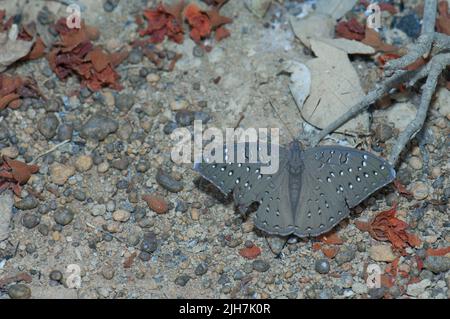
312,191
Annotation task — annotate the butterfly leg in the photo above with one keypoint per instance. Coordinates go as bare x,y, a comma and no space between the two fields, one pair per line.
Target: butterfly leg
243,210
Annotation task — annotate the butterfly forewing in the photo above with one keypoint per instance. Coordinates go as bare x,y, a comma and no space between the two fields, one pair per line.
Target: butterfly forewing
245,180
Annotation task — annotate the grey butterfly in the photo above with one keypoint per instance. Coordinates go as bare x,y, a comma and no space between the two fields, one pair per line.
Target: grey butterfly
312,191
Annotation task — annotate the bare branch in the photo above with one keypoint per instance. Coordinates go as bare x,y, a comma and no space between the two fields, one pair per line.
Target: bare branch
438,63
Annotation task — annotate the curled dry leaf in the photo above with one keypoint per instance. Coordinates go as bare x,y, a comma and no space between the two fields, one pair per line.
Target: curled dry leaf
74,53
14,88
199,22
351,29
14,173
386,227
164,21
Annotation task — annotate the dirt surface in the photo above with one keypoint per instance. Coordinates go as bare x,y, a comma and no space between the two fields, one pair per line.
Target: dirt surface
124,249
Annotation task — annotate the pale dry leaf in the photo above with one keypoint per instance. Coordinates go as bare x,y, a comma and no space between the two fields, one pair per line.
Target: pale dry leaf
335,88
258,7
300,84
349,46
313,26
12,50
335,8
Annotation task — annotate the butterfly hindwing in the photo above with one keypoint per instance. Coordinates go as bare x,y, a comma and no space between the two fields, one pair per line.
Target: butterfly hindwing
336,179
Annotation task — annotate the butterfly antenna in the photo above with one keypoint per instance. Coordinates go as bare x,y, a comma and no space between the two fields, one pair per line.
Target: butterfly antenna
283,122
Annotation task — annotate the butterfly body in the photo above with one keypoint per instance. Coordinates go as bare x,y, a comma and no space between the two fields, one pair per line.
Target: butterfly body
312,191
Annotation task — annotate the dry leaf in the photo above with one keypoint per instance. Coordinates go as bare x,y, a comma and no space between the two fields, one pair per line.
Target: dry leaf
14,173
12,50
250,252
331,239
351,30
386,227
373,39
443,20
335,8
311,27
335,88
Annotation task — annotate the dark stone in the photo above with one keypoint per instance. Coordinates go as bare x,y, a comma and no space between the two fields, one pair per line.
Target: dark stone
48,125
31,220
201,269
65,132
184,118
260,265
150,242
98,127
168,182
64,216
322,266
29,202
182,280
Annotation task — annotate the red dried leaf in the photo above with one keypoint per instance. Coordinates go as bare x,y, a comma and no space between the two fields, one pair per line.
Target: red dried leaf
386,227
316,246
14,173
443,20
362,226
250,252
37,51
199,22
7,99
330,252
164,21
384,58
438,251
75,54
221,33
351,29
373,39
331,238
216,19
387,280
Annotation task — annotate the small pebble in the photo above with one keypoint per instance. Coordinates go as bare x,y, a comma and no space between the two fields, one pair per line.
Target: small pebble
201,269
48,125
56,275
19,291
121,215
322,266
31,220
64,216
83,163
419,190
182,280
260,265
168,182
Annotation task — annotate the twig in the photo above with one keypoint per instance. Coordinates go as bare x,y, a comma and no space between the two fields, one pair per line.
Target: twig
428,43
437,63
50,150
